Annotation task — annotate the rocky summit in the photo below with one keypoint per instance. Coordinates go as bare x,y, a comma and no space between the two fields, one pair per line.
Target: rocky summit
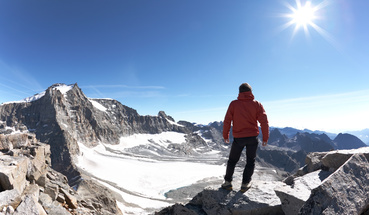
64,153
334,182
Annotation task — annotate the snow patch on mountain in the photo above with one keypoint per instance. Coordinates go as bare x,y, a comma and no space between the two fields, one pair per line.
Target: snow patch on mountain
63,88
98,105
33,98
174,123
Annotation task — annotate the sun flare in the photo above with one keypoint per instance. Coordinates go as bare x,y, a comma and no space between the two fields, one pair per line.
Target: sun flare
305,15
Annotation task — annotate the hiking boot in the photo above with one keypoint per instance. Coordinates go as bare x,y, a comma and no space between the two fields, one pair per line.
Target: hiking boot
245,187
227,185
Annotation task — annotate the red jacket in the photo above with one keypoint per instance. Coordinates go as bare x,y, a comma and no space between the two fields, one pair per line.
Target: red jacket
245,113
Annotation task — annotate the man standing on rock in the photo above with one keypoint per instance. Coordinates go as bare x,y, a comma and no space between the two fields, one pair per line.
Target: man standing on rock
244,115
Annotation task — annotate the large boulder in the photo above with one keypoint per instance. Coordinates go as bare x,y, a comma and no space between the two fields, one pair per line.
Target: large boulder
344,192
30,205
331,160
333,182
13,171
9,198
18,140
40,161
294,197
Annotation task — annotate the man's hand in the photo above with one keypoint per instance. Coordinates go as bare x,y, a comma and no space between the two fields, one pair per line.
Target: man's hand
226,141
264,143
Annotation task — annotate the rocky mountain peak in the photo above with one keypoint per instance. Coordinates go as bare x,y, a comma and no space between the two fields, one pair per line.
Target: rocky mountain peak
313,143
348,141
277,138
276,133
165,116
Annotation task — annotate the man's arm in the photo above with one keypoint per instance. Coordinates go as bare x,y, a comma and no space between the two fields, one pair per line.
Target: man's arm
227,123
264,124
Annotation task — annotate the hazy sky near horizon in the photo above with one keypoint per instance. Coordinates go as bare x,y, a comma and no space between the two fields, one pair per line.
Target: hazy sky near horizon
189,57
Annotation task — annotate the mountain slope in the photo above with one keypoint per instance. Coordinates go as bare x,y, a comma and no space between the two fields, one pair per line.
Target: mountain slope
348,141
363,135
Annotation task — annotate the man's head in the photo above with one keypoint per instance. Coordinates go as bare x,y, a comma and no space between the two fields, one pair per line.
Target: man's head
245,87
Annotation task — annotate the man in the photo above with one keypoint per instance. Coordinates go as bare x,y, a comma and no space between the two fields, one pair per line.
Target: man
244,114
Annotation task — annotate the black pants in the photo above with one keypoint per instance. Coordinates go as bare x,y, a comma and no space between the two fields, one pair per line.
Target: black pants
238,145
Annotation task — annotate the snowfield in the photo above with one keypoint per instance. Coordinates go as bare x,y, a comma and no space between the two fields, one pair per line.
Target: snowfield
142,182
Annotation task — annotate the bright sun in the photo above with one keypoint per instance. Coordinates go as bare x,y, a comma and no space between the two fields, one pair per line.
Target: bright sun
304,16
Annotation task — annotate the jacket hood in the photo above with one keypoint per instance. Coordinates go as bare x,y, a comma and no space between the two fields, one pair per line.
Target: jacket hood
245,96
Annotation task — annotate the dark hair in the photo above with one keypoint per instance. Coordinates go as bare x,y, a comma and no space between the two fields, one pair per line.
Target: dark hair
245,87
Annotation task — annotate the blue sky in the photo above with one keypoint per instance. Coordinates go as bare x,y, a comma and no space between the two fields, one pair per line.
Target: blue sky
189,57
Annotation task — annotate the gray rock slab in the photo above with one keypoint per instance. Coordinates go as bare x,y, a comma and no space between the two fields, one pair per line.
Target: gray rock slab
9,197
13,172
51,206
30,206
343,192
38,166
293,197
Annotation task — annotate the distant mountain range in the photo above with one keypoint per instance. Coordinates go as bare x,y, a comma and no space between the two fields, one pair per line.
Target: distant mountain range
363,135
